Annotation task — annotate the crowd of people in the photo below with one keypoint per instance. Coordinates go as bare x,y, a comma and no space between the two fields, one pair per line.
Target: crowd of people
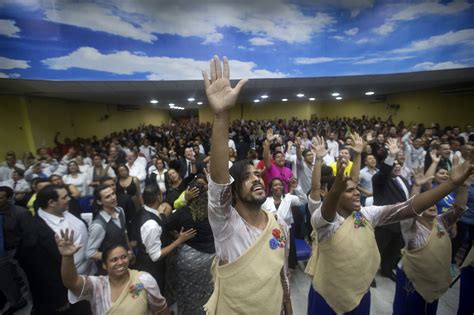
205,216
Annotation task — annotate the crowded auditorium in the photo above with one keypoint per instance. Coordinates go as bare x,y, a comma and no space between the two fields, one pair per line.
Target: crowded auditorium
303,157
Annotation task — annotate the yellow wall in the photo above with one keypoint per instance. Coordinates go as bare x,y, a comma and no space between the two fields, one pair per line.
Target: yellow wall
14,133
265,111
425,106
30,122
419,107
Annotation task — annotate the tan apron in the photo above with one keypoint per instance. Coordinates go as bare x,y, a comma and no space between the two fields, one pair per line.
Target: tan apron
428,267
128,303
252,283
344,265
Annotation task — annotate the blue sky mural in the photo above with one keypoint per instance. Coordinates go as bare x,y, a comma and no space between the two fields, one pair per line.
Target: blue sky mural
172,40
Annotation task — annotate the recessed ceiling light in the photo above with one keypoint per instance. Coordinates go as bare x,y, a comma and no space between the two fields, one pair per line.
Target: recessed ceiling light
369,93
339,98
300,95
335,94
153,101
256,101
312,99
284,100
199,103
191,99
171,104
264,96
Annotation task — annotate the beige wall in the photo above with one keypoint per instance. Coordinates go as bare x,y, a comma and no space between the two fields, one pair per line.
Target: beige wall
31,122
420,107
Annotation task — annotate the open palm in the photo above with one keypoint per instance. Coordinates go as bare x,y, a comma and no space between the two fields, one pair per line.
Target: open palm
319,147
65,243
220,94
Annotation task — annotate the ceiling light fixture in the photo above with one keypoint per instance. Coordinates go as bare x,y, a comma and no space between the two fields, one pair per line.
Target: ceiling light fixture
338,98
264,96
312,99
300,95
191,99
335,94
284,100
369,93
199,103
171,104
256,101
153,101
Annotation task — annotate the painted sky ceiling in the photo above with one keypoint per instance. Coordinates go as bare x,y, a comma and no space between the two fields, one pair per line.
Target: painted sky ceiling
172,40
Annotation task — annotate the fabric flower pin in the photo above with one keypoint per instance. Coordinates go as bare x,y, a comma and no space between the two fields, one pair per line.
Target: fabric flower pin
136,289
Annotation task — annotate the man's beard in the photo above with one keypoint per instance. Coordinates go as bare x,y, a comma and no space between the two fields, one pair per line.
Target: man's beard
253,202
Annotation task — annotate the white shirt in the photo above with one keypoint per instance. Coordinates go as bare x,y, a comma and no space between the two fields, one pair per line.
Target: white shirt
333,148
68,221
6,172
284,209
150,233
148,152
138,170
304,172
160,179
80,182
232,234
365,178
21,186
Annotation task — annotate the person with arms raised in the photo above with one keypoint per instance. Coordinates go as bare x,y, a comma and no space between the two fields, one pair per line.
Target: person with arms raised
250,274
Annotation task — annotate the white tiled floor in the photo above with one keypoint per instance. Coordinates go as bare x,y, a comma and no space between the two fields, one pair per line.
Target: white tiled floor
381,297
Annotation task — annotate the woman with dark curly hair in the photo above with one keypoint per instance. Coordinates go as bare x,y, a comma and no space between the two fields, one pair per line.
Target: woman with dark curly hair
194,282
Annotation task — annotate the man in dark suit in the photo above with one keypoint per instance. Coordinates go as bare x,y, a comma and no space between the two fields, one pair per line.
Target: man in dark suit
14,224
40,258
188,167
389,188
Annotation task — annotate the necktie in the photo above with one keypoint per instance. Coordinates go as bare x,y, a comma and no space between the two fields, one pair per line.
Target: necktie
189,168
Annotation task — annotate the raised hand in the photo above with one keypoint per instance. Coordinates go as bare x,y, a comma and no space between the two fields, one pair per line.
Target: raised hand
420,177
358,143
340,182
270,136
393,148
220,94
318,147
461,172
369,137
434,156
65,243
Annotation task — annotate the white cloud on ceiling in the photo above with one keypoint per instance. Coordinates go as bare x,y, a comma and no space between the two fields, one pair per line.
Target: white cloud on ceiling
367,61
439,66
362,41
97,18
259,41
8,28
352,31
462,37
4,75
409,12
7,63
316,60
269,19
156,68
